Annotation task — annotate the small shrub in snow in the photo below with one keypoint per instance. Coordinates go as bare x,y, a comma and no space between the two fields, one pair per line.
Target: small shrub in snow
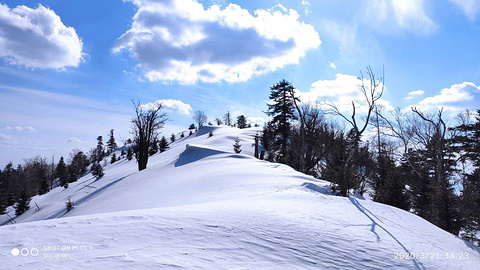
237,147
210,134
69,205
113,159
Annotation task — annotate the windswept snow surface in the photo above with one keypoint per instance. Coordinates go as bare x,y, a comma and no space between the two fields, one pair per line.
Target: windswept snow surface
200,205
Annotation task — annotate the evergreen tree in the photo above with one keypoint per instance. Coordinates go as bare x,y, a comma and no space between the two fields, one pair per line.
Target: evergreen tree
113,159
182,135
79,162
40,175
62,173
100,150
172,138
283,112
218,121
210,134
242,122
164,145
466,143
72,174
3,203
10,199
192,126
237,147
190,134
123,152
129,153
111,144
3,196
227,119
44,186
154,148
23,203
97,170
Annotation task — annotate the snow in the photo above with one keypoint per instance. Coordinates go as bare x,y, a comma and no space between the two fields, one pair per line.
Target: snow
200,205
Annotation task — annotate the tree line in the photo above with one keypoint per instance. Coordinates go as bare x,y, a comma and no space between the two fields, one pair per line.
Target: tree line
410,160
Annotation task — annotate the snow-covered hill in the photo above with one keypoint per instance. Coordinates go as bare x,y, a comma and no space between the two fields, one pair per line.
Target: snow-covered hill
199,205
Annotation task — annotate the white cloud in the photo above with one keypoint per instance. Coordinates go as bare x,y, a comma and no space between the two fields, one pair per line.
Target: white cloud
306,4
413,94
180,40
341,91
470,7
256,120
73,140
332,65
37,38
388,15
21,128
455,98
171,104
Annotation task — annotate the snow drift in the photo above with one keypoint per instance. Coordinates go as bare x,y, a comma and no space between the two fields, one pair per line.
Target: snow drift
200,205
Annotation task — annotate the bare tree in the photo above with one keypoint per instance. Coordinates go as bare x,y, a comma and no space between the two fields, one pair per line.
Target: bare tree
218,121
227,119
372,90
145,129
200,118
372,94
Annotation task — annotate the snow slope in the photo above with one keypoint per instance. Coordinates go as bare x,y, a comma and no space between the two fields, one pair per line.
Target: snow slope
199,205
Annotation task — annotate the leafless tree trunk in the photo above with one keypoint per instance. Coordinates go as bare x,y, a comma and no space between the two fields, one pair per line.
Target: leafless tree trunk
200,118
145,129
372,91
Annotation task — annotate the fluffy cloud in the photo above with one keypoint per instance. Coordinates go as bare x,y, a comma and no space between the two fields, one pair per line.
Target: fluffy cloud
413,94
256,120
469,7
73,140
454,99
37,38
21,128
171,104
410,15
341,91
180,40
332,65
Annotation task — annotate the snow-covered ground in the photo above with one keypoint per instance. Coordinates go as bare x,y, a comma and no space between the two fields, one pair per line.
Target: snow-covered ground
200,205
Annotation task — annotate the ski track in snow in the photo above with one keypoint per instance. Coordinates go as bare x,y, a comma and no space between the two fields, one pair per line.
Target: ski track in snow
201,206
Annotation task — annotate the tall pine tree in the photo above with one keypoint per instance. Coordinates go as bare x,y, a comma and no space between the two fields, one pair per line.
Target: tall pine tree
62,173
242,122
111,144
282,111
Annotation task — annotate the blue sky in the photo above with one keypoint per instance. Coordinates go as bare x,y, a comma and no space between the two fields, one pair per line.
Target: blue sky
68,69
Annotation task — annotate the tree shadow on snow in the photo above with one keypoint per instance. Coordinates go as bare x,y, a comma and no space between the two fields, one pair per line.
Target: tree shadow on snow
366,212
195,153
89,196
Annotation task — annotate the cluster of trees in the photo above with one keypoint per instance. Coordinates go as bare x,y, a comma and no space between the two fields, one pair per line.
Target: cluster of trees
412,160
201,119
37,176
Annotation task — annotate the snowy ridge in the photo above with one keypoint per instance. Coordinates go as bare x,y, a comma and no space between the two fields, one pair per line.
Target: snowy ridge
200,205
